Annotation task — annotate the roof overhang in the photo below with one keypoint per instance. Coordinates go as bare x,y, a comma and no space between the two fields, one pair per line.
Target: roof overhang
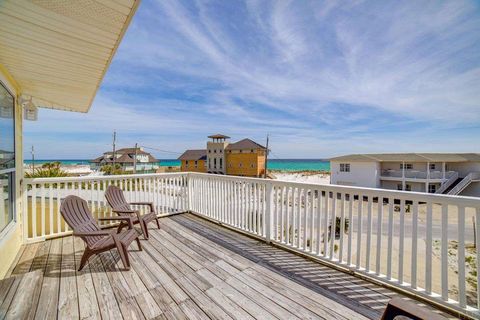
58,52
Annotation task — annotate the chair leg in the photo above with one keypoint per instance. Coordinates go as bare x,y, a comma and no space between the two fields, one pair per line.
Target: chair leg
127,258
83,261
158,223
123,254
139,245
143,225
120,227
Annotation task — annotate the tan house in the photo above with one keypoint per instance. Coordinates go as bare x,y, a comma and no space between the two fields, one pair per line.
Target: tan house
242,158
194,161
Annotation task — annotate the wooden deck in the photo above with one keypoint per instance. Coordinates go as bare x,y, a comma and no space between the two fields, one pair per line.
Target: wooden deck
190,269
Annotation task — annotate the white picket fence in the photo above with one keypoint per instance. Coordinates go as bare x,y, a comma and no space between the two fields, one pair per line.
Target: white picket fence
418,242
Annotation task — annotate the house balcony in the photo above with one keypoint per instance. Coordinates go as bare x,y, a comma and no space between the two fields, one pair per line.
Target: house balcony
416,175
233,247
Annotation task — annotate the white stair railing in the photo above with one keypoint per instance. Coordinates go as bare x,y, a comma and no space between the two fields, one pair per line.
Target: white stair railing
464,183
448,183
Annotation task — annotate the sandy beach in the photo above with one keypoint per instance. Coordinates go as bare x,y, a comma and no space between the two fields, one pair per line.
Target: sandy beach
317,177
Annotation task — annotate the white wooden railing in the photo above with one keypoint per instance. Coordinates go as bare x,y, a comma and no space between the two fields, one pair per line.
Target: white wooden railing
421,243
42,197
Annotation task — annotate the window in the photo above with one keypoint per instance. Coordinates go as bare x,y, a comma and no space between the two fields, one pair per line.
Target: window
240,151
186,163
252,151
196,164
432,188
432,166
406,166
215,163
209,151
221,163
408,187
399,187
344,167
7,157
214,150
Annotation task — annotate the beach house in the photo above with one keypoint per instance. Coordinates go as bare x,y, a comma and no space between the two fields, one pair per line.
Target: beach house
129,159
441,173
242,158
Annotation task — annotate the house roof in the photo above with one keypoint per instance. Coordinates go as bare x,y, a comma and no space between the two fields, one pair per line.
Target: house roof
410,157
126,156
57,52
245,144
219,136
199,154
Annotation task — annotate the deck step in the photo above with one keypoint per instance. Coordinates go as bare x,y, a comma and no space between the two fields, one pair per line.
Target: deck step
19,295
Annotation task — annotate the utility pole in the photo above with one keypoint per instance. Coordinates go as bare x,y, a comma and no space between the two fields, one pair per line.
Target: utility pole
266,159
135,159
114,139
33,160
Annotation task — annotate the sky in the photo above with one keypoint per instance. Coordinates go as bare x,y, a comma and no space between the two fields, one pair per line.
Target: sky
321,78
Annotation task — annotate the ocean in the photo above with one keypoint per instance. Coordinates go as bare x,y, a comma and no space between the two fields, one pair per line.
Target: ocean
273,164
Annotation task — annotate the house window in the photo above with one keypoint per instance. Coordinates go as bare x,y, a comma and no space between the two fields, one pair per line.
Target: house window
7,157
344,167
215,163
209,151
406,166
399,186
196,164
432,188
240,151
432,166
221,163
214,150
408,187
252,151
186,163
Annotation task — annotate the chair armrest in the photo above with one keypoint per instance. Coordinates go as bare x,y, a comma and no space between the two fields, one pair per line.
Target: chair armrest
92,233
150,204
127,219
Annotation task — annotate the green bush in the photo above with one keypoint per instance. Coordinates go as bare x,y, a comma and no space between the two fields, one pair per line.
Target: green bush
47,170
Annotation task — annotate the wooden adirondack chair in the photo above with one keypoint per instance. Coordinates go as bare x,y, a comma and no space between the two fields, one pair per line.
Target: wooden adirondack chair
120,206
77,215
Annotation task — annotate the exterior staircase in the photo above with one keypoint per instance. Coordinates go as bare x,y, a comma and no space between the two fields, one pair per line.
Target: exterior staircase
463,183
449,184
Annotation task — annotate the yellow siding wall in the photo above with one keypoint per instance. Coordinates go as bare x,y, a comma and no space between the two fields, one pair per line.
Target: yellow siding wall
191,166
11,238
240,164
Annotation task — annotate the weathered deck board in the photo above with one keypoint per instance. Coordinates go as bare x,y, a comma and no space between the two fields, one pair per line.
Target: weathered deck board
189,269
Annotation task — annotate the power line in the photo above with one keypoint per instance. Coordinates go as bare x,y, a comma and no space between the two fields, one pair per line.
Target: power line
164,151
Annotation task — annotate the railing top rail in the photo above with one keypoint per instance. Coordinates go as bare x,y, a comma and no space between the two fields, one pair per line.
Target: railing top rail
104,177
396,194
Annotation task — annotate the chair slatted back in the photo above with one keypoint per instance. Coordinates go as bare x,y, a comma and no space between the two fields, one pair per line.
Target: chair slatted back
78,216
116,199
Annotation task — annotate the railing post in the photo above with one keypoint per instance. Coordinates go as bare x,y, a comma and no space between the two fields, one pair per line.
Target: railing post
268,211
188,180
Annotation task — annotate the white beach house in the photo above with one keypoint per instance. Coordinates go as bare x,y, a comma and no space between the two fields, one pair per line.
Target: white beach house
447,173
